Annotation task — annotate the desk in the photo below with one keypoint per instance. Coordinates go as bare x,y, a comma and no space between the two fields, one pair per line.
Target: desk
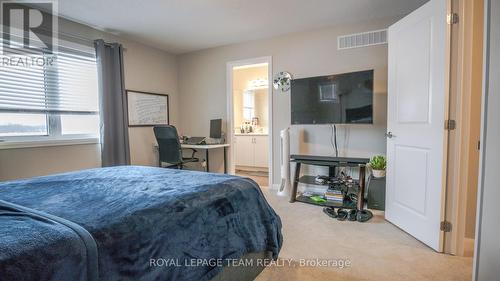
207,147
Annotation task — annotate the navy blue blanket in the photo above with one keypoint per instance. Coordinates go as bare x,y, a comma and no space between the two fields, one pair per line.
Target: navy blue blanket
148,223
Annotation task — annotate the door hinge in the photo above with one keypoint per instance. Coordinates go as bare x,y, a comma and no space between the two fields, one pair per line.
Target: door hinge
452,18
445,226
450,125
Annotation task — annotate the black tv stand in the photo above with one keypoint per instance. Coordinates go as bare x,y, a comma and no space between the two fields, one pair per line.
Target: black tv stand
332,163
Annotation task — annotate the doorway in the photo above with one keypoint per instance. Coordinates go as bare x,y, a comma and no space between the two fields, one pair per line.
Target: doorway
250,119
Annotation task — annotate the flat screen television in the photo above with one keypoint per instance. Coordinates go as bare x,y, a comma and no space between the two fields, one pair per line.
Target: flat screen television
335,99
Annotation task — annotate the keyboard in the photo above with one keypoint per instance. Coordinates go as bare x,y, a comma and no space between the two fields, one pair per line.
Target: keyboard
195,140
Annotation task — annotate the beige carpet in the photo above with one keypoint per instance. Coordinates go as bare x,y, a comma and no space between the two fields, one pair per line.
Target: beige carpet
377,250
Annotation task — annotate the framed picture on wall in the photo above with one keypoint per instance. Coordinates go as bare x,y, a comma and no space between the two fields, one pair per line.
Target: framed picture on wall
147,109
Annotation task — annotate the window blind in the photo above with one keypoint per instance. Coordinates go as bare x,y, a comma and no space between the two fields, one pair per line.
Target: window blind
63,82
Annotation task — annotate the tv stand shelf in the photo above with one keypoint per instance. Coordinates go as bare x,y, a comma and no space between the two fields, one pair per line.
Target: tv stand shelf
311,180
344,205
328,161
332,163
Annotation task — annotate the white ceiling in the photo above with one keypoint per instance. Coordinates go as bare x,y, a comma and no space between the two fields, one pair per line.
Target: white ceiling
181,26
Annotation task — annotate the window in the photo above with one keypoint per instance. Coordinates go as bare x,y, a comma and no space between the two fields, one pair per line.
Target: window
248,105
44,99
15,124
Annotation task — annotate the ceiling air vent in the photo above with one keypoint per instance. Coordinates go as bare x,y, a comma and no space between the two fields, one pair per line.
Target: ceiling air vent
363,39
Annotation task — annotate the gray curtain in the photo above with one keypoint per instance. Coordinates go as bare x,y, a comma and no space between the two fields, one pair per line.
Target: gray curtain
112,104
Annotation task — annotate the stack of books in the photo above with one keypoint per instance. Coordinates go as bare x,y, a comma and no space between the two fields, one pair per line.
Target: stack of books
334,195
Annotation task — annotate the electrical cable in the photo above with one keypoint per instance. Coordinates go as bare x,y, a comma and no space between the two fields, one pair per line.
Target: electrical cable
333,139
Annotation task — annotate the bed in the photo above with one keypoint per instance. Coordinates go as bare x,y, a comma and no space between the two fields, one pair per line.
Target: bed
134,223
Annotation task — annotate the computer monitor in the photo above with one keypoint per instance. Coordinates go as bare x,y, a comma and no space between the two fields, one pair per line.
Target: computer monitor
216,128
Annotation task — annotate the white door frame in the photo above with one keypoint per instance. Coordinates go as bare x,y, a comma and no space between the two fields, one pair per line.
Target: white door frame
230,114
463,139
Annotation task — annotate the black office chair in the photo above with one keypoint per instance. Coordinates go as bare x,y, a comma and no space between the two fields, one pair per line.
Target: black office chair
169,147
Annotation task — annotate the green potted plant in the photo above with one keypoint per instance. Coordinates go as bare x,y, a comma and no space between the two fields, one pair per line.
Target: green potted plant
378,164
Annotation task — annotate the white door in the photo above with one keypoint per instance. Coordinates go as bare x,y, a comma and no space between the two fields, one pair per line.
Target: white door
261,151
244,151
415,125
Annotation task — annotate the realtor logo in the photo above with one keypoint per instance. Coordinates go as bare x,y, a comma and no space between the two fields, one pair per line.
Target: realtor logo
28,25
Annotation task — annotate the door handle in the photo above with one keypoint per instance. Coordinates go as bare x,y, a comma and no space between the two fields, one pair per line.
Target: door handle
389,135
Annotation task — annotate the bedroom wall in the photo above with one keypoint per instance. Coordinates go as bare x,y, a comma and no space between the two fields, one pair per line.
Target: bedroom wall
202,87
146,69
